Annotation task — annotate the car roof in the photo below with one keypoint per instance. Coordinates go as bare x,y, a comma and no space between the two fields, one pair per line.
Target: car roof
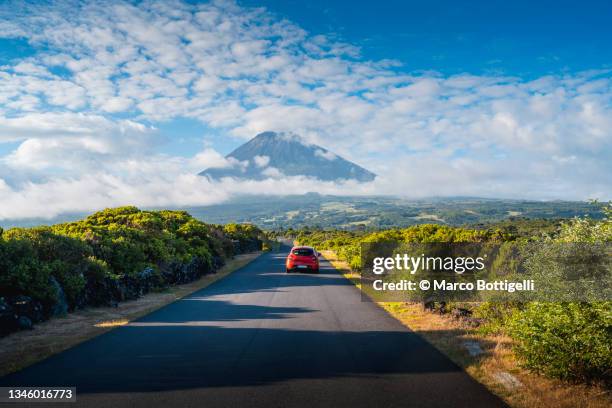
302,246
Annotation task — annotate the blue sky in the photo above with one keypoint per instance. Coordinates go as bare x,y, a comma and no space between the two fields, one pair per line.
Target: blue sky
526,38
125,102
518,38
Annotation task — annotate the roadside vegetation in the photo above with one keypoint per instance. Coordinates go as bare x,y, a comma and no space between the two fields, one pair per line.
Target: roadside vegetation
111,256
567,341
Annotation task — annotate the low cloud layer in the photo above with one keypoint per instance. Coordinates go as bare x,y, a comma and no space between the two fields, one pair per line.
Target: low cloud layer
83,112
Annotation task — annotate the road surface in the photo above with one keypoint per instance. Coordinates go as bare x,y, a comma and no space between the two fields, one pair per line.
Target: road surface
261,338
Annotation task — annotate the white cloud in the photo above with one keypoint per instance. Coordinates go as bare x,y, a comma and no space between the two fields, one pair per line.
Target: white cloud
325,154
87,102
116,104
98,190
208,158
261,161
51,124
272,172
30,69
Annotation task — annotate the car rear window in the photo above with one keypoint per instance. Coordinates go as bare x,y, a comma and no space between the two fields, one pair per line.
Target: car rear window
303,252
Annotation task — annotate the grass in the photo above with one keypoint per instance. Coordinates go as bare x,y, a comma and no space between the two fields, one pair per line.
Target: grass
336,206
112,323
433,217
21,349
496,367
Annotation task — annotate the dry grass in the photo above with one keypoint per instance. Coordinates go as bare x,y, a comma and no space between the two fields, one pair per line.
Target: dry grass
21,349
112,323
450,335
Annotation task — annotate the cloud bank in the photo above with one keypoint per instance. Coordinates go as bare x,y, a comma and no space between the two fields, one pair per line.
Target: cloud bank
81,112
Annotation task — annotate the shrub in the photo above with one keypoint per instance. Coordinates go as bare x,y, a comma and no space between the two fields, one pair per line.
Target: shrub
570,341
247,237
59,256
495,315
21,273
115,254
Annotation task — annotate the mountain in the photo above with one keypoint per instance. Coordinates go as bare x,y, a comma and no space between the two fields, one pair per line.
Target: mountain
272,154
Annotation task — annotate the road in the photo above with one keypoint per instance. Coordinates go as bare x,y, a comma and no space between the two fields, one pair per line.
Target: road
261,338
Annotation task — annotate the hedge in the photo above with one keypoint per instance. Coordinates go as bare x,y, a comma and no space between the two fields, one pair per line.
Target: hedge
110,256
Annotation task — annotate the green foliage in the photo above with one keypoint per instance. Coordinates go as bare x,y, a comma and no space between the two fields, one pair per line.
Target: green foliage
21,272
567,340
495,315
347,244
570,341
59,256
247,236
587,230
108,246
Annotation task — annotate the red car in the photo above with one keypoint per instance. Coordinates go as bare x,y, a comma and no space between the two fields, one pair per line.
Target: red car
303,258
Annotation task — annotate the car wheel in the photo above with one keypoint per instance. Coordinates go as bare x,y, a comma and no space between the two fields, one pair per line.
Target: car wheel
287,270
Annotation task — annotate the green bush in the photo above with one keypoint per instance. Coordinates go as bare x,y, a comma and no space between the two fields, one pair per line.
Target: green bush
59,256
495,315
247,236
570,341
103,257
347,244
22,273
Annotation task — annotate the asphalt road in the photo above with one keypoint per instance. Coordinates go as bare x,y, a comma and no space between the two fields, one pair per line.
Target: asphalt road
261,338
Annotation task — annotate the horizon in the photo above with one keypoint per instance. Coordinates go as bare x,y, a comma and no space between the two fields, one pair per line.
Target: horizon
125,103
241,204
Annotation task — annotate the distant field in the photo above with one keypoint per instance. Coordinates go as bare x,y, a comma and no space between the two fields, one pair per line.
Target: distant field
314,210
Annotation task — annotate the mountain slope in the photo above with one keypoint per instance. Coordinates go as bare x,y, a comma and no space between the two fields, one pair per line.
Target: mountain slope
271,154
